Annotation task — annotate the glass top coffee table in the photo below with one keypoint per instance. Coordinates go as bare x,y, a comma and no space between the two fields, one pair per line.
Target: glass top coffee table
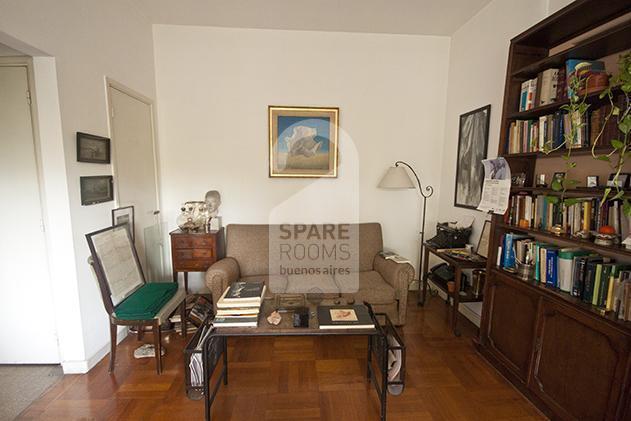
215,347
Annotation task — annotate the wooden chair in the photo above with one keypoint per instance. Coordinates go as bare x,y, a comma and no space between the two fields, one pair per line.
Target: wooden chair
128,298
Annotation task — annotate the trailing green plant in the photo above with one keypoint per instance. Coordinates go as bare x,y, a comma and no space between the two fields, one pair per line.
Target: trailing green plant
619,84
576,108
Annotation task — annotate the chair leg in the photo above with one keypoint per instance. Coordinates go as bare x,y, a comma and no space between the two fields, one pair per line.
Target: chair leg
140,332
157,340
113,332
183,323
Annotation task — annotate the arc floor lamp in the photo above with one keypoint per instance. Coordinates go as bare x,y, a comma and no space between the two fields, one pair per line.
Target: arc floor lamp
397,178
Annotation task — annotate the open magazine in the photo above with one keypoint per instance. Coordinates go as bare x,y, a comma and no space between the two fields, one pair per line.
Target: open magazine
388,255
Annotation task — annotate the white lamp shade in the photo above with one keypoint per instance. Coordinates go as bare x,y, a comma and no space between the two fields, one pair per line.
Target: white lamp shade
396,178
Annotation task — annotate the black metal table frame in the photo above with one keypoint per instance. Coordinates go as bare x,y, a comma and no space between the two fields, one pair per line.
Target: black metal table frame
218,343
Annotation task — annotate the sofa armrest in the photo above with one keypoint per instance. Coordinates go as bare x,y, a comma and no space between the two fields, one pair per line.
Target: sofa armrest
397,275
221,274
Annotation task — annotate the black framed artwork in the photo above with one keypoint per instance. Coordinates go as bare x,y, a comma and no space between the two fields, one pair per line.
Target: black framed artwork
96,189
92,148
473,141
125,215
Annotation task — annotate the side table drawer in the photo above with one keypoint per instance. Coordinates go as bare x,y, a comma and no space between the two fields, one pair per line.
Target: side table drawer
193,265
188,242
187,254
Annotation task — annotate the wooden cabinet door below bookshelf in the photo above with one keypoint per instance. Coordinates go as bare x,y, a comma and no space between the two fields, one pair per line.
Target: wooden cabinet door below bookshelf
511,323
579,365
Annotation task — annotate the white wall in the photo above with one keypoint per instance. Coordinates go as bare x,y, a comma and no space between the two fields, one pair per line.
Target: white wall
214,86
477,71
89,41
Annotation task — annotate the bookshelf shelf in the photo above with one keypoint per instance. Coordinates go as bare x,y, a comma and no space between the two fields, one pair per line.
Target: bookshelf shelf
603,44
577,192
558,153
591,98
566,297
572,241
529,331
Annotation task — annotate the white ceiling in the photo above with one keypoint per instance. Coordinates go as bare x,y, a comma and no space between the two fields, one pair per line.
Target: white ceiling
424,17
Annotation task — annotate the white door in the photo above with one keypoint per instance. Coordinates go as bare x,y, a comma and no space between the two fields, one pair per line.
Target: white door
28,332
131,120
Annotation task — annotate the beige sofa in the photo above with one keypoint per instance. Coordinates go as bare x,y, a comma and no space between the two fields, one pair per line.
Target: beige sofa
382,283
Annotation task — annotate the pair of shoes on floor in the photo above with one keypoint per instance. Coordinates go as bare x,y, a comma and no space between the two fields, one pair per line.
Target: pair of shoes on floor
147,351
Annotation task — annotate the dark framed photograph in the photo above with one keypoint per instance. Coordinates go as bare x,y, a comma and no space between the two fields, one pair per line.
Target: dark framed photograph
483,244
96,189
125,215
592,181
473,140
623,180
92,148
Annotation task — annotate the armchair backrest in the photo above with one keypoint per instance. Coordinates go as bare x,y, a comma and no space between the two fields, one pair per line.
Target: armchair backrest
249,245
116,264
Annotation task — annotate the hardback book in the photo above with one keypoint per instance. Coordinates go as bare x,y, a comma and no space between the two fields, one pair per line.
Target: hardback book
523,97
531,93
242,294
592,270
221,321
237,311
344,317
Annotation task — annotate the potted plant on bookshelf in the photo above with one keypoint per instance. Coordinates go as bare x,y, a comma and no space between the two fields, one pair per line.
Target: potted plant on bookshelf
619,87
621,147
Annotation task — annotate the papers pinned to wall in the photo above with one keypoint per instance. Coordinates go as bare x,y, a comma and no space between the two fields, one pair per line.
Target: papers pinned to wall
496,186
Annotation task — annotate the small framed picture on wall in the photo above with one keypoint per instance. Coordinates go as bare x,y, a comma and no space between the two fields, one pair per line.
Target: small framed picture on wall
93,149
125,215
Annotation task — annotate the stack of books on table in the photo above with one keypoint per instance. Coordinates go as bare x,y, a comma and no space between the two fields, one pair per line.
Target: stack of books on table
240,305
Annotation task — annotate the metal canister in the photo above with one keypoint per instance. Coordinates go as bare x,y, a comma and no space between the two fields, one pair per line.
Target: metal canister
478,276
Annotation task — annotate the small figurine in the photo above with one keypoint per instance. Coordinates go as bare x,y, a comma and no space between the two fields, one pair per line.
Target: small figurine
274,318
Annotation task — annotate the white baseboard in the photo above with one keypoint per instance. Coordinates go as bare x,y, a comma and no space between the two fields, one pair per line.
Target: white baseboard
83,366
463,308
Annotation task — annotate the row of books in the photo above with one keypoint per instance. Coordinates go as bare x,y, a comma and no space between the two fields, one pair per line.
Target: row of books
597,126
548,131
554,84
240,305
595,279
542,212
542,90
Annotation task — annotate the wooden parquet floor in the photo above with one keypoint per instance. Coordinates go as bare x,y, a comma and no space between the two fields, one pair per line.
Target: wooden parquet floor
298,379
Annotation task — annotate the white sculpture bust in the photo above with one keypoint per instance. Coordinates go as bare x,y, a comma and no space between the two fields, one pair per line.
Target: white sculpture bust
213,201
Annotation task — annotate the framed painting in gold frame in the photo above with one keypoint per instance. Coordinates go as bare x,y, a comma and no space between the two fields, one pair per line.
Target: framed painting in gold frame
303,141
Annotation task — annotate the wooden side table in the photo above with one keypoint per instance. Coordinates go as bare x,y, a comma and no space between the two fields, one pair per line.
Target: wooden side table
195,251
459,265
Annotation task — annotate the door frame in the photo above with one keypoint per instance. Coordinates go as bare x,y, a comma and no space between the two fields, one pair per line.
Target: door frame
27,63
113,84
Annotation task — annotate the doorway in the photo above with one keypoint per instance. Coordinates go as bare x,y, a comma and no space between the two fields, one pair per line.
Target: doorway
135,175
28,335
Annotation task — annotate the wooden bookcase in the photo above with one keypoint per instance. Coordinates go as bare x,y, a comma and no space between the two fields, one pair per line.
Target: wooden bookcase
569,358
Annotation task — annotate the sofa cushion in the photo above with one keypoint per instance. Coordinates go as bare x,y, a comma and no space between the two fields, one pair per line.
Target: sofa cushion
276,284
372,287
370,243
302,284
249,245
146,301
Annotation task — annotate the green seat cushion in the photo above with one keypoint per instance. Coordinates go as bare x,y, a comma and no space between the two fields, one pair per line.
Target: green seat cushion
146,301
